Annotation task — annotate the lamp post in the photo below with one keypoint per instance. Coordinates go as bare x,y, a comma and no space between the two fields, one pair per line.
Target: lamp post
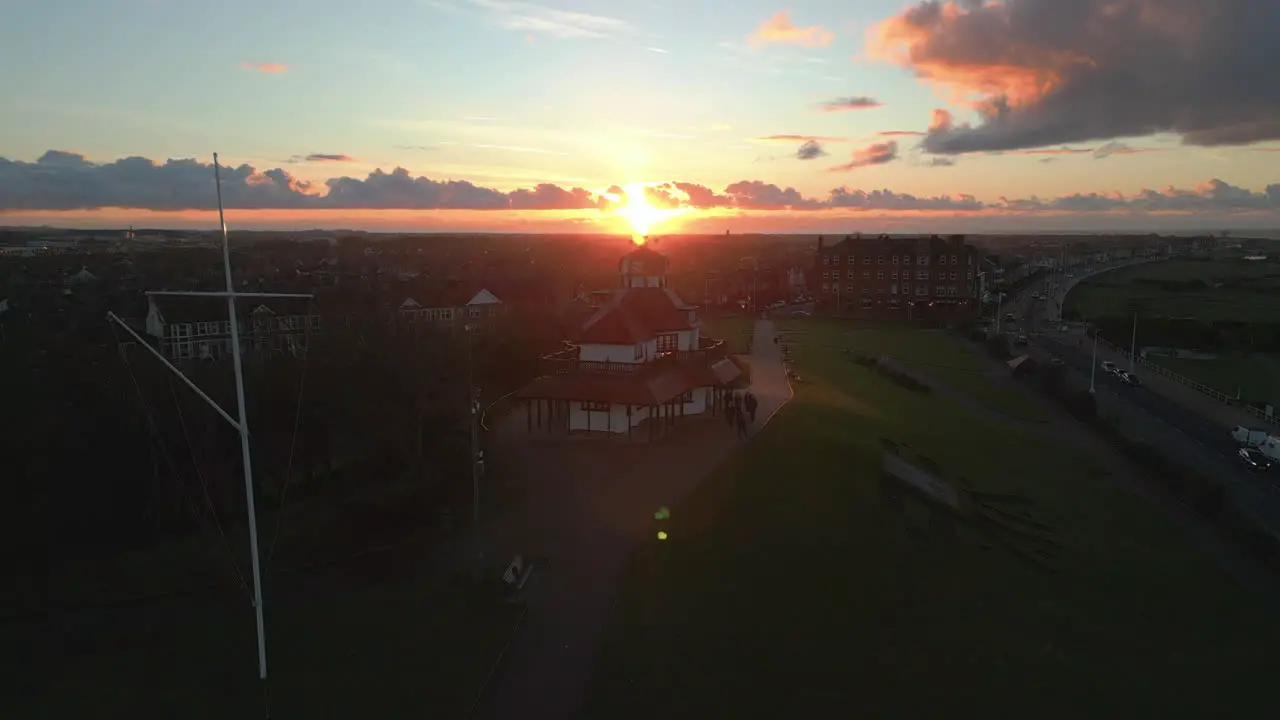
1093,366
473,400
1133,343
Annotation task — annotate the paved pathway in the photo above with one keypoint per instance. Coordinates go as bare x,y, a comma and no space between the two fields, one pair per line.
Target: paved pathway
589,504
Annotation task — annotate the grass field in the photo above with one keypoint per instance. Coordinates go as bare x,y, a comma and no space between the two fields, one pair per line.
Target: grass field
359,647
947,358
1255,378
1245,299
735,329
785,588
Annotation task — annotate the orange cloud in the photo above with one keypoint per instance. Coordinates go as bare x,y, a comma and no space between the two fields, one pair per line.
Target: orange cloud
1015,73
799,138
269,68
874,154
779,30
899,133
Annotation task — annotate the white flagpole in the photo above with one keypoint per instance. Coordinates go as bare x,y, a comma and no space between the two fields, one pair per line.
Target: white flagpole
244,432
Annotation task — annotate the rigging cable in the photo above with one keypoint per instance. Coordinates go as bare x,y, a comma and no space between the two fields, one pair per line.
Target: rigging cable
297,419
164,450
204,485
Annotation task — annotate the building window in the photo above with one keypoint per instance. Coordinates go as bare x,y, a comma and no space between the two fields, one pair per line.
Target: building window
866,259
893,289
880,290
922,290
865,302
446,313
879,274
826,259
954,258
895,274
592,406
687,397
922,274
953,276
895,259
969,275
923,260
906,288
826,287
849,288
866,274
668,342
850,274
475,312
879,259
866,290
826,274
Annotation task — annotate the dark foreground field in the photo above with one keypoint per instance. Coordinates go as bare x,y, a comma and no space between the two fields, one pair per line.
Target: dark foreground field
786,588
367,640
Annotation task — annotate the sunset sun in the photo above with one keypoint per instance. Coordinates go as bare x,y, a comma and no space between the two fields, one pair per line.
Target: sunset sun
641,215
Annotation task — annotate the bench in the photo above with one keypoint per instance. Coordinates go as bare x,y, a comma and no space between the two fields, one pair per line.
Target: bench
517,573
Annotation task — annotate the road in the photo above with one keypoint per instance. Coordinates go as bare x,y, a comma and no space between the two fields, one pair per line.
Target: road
1182,433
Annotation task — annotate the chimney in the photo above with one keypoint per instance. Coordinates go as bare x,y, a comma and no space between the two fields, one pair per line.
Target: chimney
821,241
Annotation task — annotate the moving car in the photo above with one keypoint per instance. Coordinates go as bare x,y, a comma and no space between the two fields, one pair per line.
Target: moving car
1255,460
1128,378
1021,341
1109,367
1056,361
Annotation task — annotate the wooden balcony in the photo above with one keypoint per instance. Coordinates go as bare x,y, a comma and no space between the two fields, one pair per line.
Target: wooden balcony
566,361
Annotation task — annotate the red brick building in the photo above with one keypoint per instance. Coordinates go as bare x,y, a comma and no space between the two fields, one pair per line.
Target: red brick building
930,278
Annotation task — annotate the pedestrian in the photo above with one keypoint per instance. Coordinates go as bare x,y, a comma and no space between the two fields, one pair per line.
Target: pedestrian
752,404
741,421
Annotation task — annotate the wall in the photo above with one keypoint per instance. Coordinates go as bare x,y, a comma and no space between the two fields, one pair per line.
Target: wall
594,352
615,419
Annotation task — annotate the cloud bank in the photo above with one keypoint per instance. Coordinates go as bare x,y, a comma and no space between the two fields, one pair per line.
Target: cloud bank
1049,72
779,30
61,180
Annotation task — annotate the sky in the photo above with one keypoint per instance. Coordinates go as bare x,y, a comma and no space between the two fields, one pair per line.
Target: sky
650,116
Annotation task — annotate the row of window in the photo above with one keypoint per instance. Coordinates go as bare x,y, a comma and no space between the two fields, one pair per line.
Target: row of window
895,259
593,406
920,290
223,327
220,348
906,275
447,314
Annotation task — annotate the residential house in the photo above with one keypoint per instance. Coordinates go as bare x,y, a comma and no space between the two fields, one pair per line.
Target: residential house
193,327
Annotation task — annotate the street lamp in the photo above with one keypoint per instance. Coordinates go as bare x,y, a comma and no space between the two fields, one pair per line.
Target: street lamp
477,456
1093,366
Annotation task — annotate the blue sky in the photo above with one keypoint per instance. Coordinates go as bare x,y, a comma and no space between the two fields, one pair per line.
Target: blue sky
508,94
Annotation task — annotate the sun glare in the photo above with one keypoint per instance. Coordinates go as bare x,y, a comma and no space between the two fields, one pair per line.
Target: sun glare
640,214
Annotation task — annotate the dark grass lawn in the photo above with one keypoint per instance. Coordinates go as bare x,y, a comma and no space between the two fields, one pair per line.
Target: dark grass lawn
347,647
734,328
1255,379
938,354
786,589
1115,292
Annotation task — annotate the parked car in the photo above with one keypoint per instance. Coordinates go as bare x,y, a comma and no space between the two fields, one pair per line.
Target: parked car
1255,460
1021,341
1249,437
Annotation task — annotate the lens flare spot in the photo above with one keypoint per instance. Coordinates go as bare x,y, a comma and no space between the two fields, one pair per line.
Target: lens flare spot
662,535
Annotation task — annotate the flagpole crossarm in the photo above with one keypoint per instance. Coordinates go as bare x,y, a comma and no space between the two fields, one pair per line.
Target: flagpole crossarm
227,294
203,396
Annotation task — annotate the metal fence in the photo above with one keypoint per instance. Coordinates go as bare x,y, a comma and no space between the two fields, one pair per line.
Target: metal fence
1193,384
